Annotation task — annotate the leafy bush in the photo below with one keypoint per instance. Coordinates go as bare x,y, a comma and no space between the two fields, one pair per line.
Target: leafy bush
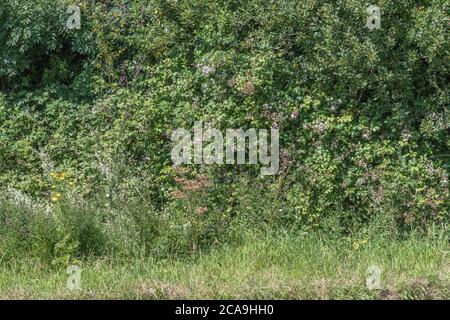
363,115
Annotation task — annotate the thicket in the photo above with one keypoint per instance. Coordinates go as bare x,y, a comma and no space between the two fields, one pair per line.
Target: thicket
86,118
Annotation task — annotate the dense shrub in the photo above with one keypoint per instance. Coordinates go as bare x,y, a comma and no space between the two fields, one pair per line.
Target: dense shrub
37,47
363,115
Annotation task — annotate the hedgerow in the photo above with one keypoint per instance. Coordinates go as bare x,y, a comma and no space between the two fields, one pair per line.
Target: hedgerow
363,115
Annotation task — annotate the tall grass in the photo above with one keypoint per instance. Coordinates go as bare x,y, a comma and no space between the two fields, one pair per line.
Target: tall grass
129,249
263,267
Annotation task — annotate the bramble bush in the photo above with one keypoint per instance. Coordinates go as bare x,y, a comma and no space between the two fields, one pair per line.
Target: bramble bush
87,114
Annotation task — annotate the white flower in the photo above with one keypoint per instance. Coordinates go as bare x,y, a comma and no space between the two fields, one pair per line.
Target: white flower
205,69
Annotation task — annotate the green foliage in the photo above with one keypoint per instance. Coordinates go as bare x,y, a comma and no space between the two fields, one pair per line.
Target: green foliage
363,116
37,47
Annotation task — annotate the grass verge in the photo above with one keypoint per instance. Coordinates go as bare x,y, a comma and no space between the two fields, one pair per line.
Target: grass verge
263,267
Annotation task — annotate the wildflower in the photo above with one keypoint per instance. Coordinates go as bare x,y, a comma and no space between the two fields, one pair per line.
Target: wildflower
294,114
406,136
320,127
201,210
177,194
205,69
232,82
248,89
56,197
285,159
359,243
58,176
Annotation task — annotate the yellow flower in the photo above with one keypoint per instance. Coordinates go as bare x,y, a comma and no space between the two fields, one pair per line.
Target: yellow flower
359,243
55,197
59,176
